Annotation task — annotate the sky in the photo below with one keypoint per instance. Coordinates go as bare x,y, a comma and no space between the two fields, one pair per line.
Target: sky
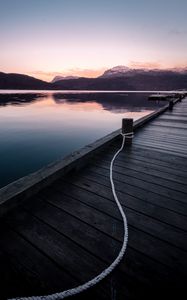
45,38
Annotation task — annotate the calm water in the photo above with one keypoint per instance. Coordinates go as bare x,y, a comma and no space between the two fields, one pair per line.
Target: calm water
38,128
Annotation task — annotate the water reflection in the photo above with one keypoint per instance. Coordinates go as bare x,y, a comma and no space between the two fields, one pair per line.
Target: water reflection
19,99
116,103
36,129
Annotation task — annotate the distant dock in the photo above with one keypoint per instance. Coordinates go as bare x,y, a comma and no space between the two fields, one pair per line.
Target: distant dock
166,97
60,226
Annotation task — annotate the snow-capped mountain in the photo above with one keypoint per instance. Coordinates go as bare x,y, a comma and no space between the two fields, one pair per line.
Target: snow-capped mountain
58,78
115,72
120,71
123,71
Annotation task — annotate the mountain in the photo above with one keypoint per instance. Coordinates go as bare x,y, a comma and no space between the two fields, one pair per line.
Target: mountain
58,78
139,81
180,70
20,81
123,71
116,72
117,78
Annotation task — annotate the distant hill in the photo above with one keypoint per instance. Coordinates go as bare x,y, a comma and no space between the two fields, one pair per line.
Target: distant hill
58,78
19,81
117,78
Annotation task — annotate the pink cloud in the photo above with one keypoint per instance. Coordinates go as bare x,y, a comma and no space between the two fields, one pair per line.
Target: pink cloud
48,76
85,72
144,65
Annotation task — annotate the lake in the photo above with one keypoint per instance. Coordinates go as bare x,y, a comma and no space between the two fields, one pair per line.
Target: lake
37,128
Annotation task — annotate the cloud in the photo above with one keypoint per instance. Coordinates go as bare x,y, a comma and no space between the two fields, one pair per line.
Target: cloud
48,76
144,65
84,72
46,73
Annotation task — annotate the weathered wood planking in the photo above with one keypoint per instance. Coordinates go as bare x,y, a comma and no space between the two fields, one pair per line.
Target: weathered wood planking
69,229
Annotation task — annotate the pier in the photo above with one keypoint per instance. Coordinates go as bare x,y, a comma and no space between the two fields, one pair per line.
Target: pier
60,227
166,96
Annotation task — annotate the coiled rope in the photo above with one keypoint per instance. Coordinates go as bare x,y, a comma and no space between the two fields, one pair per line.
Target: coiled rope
108,270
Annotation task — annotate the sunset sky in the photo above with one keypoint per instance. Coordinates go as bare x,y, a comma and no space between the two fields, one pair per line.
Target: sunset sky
44,38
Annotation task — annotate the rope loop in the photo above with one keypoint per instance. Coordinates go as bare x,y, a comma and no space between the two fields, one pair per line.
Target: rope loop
128,135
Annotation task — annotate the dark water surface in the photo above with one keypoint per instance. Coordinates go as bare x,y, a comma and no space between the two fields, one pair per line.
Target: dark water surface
38,128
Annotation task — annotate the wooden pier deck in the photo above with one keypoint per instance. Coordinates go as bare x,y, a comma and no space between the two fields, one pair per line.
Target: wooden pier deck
71,230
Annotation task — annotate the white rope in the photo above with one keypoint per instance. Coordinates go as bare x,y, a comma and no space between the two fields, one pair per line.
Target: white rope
108,270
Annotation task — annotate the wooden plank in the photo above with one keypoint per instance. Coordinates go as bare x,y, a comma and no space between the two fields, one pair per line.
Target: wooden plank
135,218
52,244
163,146
172,161
122,169
137,186
88,237
143,163
161,150
158,124
174,118
176,149
172,125
175,114
119,188
84,234
160,133
145,140
59,248
132,263
163,202
165,141
100,221
134,168
86,196
11,278
155,155
40,274
163,131
153,159
179,122
166,130
91,240
163,137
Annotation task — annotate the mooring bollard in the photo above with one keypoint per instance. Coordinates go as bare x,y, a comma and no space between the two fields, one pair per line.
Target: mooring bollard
127,127
170,104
